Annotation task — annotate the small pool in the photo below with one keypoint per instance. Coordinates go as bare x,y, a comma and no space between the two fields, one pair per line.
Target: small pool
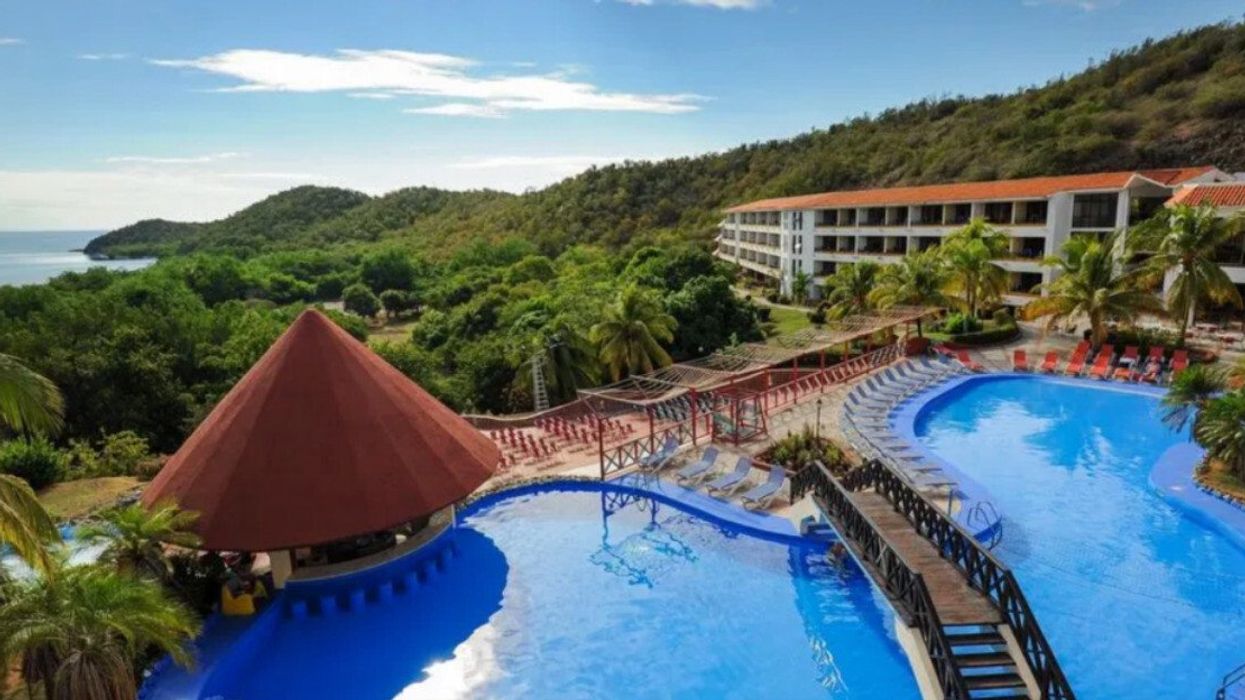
592,593
1137,598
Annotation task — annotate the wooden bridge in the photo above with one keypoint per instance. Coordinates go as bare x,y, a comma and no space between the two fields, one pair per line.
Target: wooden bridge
980,635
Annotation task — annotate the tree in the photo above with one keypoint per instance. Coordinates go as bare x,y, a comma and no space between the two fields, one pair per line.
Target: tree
1189,393
80,629
848,289
799,286
387,269
1094,286
24,525
975,278
395,301
708,314
1220,428
568,360
919,279
29,402
630,335
135,537
978,231
36,461
359,299
1184,240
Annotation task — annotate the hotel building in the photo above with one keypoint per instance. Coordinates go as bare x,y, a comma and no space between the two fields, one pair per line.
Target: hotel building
816,233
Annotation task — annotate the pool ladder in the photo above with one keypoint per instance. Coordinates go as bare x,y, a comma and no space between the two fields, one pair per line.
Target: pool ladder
1232,681
984,517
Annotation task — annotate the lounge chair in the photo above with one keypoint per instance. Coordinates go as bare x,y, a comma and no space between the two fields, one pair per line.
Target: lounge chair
968,362
732,482
1156,355
1128,363
761,495
1102,365
699,469
1180,361
1075,365
1020,360
1050,365
658,459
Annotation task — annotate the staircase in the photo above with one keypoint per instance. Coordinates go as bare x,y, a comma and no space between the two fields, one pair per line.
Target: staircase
989,671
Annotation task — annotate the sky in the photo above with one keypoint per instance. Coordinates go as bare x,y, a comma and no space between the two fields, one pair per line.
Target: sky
117,110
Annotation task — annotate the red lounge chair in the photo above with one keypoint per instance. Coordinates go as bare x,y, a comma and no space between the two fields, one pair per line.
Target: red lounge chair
1102,365
1156,354
1051,362
1075,365
1180,360
1020,360
970,363
1082,348
1125,369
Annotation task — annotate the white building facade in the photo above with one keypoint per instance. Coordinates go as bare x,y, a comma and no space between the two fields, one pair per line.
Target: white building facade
815,234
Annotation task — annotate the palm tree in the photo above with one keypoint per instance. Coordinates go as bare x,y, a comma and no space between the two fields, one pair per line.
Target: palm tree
1185,239
29,403
1189,393
799,286
979,231
918,279
1093,285
848,289
1220,428
630,335
975,278
135,537
79,632
568,359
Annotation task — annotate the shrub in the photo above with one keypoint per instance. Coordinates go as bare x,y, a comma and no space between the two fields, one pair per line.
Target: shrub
122,452
358,299
958,323
149,467
1143,338
999,334
772,297
817,316
797,450
36,461
764,313
1221,100
1002,317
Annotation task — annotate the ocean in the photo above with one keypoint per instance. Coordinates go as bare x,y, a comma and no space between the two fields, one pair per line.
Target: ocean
33,257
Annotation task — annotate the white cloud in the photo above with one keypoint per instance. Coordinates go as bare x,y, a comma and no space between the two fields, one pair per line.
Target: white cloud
719,4
175,160
371,95
1085,5
10,41
459,109
426,74
103,56
574,163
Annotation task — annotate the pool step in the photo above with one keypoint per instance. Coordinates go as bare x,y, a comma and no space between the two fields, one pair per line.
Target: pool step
989,670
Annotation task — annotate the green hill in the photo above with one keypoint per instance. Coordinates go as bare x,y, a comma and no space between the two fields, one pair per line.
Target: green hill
1178,101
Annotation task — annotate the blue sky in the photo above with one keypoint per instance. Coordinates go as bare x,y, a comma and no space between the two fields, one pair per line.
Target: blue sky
119,110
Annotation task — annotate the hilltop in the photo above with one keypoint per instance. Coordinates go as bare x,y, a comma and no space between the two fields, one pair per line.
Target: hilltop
1175,101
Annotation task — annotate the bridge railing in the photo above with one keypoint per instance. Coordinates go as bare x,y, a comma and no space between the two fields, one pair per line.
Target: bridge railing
983,572
901,581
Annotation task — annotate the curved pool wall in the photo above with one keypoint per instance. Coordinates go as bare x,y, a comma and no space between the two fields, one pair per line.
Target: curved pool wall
1136,575
318,621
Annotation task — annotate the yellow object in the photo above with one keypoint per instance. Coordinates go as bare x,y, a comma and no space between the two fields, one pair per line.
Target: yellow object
259,590
242,604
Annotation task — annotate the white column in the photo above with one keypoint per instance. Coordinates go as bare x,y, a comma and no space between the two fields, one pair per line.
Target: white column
282,567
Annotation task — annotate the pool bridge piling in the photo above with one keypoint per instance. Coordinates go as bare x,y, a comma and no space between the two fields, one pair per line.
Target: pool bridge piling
980,635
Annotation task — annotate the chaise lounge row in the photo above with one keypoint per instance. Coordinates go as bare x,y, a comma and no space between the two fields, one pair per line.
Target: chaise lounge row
1129,367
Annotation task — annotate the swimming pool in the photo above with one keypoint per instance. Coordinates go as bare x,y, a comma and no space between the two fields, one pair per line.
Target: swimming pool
592,593
1137,598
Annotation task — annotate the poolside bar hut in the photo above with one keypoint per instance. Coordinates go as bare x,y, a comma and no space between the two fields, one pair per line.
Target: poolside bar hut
322,440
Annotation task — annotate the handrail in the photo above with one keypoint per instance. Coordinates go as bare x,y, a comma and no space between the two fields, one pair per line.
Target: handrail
982,571
984,513
1230,679
901,581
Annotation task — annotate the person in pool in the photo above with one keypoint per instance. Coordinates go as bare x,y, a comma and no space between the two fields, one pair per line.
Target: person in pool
837,554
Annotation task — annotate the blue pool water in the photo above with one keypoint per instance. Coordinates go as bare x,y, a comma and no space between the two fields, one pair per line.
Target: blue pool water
1137,599
587,594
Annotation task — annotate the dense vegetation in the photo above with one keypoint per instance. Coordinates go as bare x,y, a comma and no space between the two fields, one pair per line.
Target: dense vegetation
1178,101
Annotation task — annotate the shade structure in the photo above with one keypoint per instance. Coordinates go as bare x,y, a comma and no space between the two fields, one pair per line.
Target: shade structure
320,441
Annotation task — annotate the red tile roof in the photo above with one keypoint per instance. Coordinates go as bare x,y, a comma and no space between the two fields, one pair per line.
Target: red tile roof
320,441
1028,188
1219,195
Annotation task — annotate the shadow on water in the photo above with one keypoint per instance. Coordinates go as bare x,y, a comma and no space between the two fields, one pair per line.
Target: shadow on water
631,557
376,651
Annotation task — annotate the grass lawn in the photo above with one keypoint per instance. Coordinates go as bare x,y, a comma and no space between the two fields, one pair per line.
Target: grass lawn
789,320
75,499
1218,477
394,331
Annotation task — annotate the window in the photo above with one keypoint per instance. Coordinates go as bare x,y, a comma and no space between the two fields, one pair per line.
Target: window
999,212
1035,212
960,214
931,214
1094,210
875,216
848,217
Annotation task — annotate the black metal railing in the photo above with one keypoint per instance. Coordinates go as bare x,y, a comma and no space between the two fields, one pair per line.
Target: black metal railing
1235,676
983,572
901,581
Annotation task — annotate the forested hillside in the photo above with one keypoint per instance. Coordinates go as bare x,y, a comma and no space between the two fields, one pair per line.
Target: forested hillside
1178,101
